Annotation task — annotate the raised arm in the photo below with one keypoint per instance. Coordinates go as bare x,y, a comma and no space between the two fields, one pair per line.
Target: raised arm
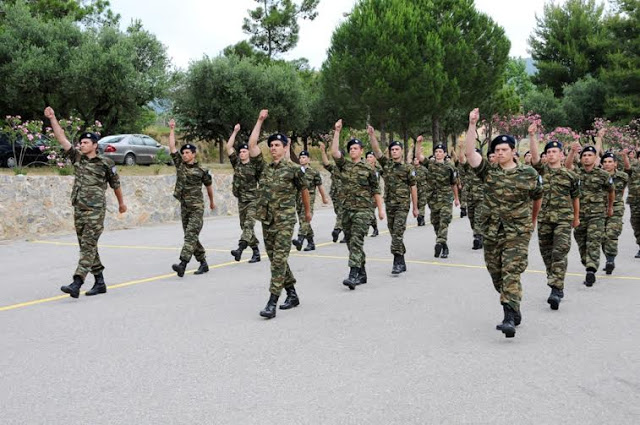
232,140
599,137
625,159
57,130
418,148
335,144
254,150
533,144
473,157
375,145
172,136
568,162
323,152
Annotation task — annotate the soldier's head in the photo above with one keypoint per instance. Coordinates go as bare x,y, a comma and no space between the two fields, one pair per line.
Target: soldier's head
371,158
395,150
354,147
491,157
277,144
588,156
188,153
89,143
609,162
303,157
504,147
416,161
553,152
527,158
543,158
243,152
439,152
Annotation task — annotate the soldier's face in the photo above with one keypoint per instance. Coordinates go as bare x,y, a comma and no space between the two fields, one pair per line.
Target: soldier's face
416,161
553,156
276,149
504,153
243,154
588,158
396,152
87,146
527,159
492,158
355,152
304,160
188,156
609,164
439,154
371,159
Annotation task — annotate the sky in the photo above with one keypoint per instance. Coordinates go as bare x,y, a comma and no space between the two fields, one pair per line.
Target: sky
193,28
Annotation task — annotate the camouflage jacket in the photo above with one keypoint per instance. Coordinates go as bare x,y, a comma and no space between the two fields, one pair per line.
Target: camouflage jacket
278,187
189,181
336,181
620,181
421,178
634,183
560,187
398,179
313,179
508,199
595,185
91,178
359,184
442,175
245,179
472,182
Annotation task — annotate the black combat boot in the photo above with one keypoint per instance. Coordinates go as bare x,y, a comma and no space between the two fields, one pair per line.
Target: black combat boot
292,299
270,309
335,234
554,298
476,242
590,278
445,251
73,288
354,278
463,212
298,242
610,264
375,232
180,268
481,238
437,250
204,267
237,253
421,220
403,265
310,245
99,287
396,269
508,327
256,255
362,277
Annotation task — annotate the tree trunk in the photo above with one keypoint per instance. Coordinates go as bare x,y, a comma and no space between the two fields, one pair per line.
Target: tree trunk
221,151
435,130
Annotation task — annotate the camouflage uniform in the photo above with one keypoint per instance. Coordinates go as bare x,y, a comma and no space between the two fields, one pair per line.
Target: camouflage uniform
374,219
475,196
443,176
595,185
613,224
633,199
508,227
188,190
313,180
337,199
244,187
463,175
278,185
423,187
359,185
89,206
398,180
560,187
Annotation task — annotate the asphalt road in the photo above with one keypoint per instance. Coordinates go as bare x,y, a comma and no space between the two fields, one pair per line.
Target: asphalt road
416,349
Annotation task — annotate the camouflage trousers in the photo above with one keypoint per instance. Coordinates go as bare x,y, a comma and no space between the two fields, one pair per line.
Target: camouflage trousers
554,240
192,222
247,213
440,219
374,219
89,226
635,220
277,242
305,228
397,224
589,236
337,208
464,196
423,196
473,212
356,225
612,231
506,258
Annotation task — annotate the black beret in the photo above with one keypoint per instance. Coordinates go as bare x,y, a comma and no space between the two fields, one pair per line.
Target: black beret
503,138
278,136
395,143
609,155
303,153
353,142
370,153
440,146
243,146
92,136
552,144
588,149
527,153
189,146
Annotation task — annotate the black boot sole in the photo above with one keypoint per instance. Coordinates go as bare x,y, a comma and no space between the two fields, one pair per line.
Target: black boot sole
199,272
291,305
554,302
609,267
308,248
297,245
176,268
267,315
349,284
93,292
590,279
254,260
66,290
236,255
508,331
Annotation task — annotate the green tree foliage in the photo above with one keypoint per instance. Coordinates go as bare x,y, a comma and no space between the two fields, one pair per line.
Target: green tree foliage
516,76
86,11
97,72
215,94
396,61
544,103
568,43
273,25
582,102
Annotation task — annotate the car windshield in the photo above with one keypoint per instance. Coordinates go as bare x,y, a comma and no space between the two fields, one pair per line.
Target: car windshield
111,139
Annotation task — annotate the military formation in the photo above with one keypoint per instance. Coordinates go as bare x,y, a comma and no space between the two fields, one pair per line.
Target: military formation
563,190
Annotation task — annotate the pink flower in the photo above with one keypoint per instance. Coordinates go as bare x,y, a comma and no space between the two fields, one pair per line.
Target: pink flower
42,148
61,164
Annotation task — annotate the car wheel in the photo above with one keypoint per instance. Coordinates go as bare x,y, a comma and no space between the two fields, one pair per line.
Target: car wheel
130,159
11,162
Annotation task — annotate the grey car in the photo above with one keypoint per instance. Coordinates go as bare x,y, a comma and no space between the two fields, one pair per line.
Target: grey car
130,149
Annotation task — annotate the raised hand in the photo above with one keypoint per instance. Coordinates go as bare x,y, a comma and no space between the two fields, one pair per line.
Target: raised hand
370,131
263,115
49,113
575,147
420,139
322,145
532,129
172,124
474,116
338,125
236,128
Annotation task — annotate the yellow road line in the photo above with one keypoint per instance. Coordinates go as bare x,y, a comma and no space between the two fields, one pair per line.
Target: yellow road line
158,248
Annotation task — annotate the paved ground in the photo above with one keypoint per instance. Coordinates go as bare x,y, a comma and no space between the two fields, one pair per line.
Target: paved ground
415,349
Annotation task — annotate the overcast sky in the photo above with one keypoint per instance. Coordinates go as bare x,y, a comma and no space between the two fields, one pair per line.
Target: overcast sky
193,28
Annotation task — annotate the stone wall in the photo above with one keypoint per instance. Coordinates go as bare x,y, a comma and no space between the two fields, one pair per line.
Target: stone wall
32,206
